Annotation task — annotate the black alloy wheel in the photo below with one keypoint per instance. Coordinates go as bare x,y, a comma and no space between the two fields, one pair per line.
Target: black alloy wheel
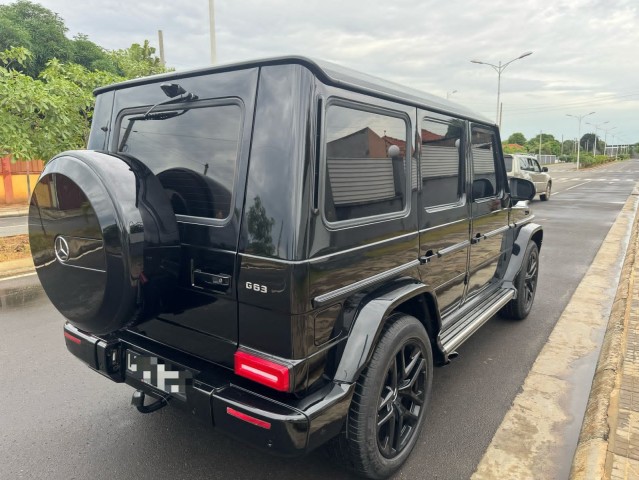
530,278
401,400
390,401
526,285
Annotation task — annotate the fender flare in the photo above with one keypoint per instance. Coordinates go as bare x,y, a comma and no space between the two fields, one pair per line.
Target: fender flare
526,233
369,323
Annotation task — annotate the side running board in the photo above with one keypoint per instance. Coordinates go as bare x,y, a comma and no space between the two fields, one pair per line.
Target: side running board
461,331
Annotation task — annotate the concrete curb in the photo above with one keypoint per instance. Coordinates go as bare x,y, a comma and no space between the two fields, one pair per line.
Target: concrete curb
16,268
590,460
14,213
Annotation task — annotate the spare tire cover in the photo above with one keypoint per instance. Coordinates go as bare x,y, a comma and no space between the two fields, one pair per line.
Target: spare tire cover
93,218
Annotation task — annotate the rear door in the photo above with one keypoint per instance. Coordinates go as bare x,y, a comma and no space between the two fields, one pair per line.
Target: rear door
444,215
489,208
538,177
199,151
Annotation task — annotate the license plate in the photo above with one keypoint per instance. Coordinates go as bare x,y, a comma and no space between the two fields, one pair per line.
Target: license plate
158,373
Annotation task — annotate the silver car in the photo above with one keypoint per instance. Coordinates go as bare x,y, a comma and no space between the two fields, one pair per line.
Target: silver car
525,166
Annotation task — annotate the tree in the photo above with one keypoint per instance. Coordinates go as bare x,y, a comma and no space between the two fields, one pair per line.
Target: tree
42,117
43,33
569,147
36,28
138,61
47,80
513,148
549,145
517,138
259,229
587,142
12,34
90,55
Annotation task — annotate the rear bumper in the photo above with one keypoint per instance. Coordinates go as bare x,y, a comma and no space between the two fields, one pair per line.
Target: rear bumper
218,398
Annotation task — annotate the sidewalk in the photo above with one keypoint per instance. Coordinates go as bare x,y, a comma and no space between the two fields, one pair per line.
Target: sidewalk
15,210
608,445
15,267
623,443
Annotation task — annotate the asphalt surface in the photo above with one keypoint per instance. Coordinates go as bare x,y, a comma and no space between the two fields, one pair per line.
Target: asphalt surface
13,226
59,420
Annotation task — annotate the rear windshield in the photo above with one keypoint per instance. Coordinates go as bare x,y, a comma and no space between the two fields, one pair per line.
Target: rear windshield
508,160
192,151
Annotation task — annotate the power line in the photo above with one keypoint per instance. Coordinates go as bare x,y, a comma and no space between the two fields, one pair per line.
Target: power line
613,98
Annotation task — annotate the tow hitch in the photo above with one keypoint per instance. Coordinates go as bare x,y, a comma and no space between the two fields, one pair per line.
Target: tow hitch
138,402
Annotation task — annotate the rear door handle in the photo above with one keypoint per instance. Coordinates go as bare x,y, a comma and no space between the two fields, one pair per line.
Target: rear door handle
429,257
209,281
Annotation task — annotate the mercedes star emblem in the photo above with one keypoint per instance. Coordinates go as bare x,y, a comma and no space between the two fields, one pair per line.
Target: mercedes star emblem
61,249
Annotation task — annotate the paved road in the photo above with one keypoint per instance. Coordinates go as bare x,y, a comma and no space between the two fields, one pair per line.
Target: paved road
13,226
59,420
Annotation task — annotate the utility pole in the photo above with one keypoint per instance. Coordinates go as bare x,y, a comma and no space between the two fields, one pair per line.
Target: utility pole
161,43
539,156
212,31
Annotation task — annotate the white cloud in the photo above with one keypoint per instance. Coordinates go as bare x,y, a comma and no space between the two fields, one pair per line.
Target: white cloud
583,60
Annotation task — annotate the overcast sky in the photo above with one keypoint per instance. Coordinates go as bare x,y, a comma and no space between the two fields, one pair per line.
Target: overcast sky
585,51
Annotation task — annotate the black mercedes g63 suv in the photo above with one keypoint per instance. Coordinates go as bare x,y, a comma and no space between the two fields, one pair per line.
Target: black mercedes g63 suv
284,248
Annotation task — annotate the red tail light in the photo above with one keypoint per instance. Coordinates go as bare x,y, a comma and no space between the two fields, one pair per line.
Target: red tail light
72,338
248,418
262,371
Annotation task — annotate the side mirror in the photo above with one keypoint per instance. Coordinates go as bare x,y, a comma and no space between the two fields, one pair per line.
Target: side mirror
521,189
544,169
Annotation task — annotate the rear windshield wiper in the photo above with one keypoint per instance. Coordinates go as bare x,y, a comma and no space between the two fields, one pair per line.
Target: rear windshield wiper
172,90
147,116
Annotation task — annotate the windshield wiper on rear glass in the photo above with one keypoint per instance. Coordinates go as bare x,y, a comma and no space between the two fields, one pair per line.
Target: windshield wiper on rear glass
170,89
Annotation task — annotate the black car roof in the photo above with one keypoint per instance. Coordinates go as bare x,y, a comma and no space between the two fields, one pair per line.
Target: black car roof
329,73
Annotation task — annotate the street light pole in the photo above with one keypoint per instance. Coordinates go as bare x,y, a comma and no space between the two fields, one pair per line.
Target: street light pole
500,68
597,127
540,135
579,118
606,137
212,32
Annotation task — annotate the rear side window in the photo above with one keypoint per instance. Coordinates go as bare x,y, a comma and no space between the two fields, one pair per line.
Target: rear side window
193,152
484,163
534,166
442,161
366,167
508,162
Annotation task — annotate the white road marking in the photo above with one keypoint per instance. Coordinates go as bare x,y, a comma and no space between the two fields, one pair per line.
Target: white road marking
570,188
17,276
565,180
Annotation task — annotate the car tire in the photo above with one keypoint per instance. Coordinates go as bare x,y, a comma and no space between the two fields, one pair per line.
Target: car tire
526,285
390,401
546,195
